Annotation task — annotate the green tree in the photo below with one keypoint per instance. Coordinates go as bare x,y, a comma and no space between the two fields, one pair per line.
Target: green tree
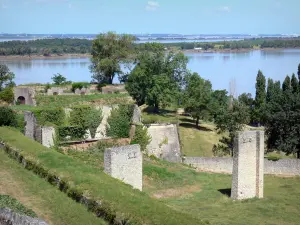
260,99
294,83
298,73
6,77
231,120
219,99
197,96
157,77
58,79
109,51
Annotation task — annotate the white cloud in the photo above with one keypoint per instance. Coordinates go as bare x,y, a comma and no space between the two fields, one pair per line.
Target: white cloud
152,6
224,9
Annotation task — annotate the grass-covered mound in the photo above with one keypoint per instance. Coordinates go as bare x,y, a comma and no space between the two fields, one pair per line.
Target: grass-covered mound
107,197
71,100
8,202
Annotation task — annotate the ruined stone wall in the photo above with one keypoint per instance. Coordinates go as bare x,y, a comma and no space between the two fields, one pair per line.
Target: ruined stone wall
8,217
126,164
27,93
164,142
289,167
214,164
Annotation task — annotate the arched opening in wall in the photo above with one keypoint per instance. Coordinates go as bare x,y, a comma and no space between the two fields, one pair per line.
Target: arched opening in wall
82,93
21,100
55,93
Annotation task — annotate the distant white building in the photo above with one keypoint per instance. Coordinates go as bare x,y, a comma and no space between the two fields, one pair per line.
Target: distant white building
198,48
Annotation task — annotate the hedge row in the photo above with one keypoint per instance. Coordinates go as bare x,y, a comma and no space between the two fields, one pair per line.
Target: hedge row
109,198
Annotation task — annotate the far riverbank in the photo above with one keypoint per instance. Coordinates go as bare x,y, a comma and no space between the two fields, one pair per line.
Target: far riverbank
70,56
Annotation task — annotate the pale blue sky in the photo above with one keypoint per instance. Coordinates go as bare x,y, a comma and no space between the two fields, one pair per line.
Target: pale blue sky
157,16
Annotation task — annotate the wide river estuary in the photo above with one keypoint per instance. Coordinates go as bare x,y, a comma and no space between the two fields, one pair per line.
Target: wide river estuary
219,68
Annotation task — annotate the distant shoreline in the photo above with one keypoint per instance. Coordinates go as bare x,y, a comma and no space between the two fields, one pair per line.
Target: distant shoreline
70,56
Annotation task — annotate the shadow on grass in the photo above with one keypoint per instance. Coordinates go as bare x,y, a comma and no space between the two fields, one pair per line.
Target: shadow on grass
187,120
226,191
151,110
193,126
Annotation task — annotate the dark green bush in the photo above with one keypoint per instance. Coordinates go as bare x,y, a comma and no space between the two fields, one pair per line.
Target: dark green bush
141,137
119,122
78,116
8,117
7,95
94,118
74,132
79,85
100,86
55,116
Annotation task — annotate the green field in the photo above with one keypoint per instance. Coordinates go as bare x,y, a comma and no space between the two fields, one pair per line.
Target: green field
206,195
37,194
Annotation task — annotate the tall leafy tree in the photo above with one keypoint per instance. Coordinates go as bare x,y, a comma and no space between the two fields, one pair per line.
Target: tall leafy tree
157,77
231,120
260,99
109,51
58,79
6,77
219,99
196,97
298,73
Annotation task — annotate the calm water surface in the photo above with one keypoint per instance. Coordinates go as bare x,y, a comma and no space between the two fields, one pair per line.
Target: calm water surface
219,68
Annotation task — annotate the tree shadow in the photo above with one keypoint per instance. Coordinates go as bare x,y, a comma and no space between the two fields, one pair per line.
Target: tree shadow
151,110
193,126
226,191
187,120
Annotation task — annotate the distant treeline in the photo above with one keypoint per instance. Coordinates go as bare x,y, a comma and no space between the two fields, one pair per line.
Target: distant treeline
58,46
242,44
46,47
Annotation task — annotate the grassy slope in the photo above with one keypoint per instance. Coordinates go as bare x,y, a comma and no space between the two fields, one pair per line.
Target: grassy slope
47,201
68,100
206,195
113,194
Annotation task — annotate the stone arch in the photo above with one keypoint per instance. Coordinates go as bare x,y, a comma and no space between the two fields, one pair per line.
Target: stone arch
82,93
21,100
55,93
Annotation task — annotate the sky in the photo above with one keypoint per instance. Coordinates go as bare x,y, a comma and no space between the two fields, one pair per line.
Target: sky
157,16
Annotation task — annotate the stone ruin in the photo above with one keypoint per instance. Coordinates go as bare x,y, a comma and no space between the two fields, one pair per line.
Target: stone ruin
126,164
42,134
82,91
55,91
110,89
24,96
8,217
164,142
248,165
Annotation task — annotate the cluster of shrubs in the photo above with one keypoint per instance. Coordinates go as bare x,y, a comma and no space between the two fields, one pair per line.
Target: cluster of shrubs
8,117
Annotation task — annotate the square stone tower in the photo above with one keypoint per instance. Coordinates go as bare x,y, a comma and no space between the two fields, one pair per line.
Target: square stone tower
248,165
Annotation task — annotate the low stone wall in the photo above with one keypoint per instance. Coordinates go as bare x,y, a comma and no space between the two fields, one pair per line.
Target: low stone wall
289,167
217,164
8,217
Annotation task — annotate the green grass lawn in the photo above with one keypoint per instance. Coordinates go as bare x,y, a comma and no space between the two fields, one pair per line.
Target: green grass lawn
118,200
37,194
206,195
70,100
9,202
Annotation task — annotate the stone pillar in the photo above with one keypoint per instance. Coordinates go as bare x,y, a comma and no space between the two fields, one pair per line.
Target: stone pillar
31,124
248,165
48,135
126,164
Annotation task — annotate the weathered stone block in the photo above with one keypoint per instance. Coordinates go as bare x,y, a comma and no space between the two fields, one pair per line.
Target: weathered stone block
248,165
7,216
137,115
48,135
164,142
31,124
126,164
